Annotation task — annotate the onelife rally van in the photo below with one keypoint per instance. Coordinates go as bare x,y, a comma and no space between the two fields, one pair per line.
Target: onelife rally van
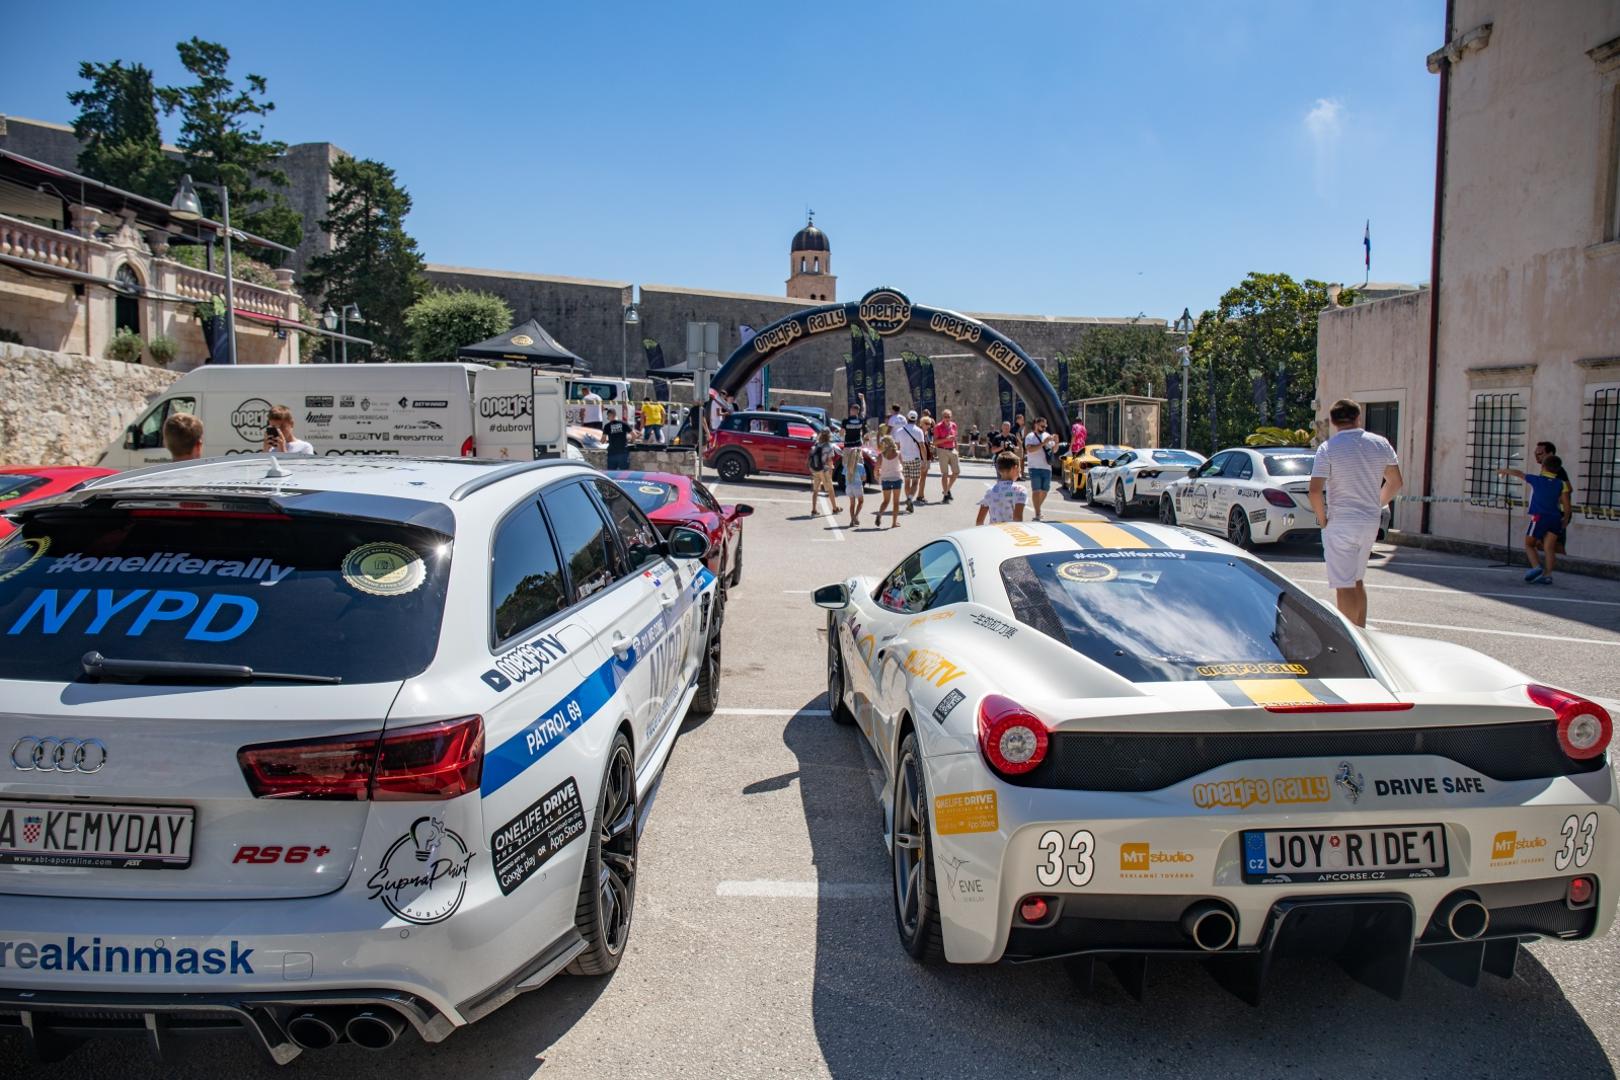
419,410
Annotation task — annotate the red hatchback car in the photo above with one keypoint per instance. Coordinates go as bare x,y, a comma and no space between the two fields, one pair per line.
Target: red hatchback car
770,442
669,499
25,483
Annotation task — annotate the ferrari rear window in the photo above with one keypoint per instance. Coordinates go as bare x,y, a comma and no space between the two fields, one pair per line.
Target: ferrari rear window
361,600
16,485
1177,616
649,494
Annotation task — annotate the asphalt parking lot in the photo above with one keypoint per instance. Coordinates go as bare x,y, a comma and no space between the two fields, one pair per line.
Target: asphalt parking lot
764,943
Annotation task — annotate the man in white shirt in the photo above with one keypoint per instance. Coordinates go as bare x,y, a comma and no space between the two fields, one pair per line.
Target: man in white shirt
278,435
593,408
911,439
1354,477
1037,445
896,420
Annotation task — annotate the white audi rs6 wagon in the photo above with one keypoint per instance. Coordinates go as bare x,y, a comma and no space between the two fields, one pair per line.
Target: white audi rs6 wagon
1120,742
331,748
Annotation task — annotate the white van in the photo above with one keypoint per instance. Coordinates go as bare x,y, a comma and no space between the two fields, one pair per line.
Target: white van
615,393
433,410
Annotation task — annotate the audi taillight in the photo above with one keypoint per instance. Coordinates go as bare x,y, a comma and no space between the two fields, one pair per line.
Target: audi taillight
432,761
1012,739
1277,497
468,447
1584,727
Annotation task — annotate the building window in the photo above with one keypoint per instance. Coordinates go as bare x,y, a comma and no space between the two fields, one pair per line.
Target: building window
1600,455
1383,418
818,264
1495,440
127,306
801,264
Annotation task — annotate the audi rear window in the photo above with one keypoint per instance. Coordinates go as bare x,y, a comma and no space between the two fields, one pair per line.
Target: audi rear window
1177,616
360,600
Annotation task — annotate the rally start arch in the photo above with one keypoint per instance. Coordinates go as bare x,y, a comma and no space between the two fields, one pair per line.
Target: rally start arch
887,312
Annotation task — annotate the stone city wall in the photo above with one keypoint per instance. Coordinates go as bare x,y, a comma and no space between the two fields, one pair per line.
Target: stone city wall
63,409
586,317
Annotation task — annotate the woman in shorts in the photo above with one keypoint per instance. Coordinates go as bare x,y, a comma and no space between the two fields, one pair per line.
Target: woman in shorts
855,486
892,478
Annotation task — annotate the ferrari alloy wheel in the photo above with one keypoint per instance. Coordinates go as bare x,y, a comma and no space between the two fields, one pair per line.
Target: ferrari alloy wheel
1237,528
607,892
731,467
916,895
1167,510
1120,506
736,566
835,676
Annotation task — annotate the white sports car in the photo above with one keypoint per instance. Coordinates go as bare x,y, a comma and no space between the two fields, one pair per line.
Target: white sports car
1138,478
330,748
1123,741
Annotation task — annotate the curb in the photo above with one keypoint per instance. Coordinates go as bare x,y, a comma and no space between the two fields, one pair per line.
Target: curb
1566,565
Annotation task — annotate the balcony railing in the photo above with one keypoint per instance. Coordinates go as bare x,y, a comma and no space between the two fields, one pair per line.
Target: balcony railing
36,243
196,284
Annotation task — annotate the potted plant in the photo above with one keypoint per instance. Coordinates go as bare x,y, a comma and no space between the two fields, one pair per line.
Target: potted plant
162,350
126,345
216,331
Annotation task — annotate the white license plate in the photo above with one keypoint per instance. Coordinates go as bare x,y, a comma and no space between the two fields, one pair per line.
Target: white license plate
96,834
1288,856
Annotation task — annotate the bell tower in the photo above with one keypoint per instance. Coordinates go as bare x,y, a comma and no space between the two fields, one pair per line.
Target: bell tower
810,275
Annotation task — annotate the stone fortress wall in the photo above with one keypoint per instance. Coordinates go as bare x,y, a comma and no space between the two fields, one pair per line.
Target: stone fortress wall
63,408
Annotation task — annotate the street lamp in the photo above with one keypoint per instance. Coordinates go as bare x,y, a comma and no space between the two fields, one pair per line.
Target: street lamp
632,317
329,319
350,311
1184,326
187,207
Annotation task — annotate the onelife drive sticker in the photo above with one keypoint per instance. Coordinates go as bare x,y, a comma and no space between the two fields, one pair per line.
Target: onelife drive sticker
968,812
527,842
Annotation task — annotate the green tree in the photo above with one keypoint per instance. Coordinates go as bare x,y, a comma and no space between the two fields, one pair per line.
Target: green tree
224,144
118,124
444,320
1113,359
1260,342
373,263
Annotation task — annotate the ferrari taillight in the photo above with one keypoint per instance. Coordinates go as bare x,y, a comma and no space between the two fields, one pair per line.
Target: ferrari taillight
1148,474
1012,739
1584,727
433,761
468,447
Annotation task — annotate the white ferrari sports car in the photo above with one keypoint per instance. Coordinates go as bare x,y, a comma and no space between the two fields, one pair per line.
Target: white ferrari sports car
333,747
1107,741
1138,478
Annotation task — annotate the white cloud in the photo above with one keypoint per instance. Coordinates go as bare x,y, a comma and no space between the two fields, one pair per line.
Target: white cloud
1324,125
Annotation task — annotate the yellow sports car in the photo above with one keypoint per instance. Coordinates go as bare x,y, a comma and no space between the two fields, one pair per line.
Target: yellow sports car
1076,466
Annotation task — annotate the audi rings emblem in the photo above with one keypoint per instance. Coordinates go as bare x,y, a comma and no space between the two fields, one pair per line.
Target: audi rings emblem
33,754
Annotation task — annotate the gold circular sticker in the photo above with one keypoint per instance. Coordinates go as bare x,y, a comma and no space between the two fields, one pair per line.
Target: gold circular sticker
15,558
384,569
1087,572
650,489
522,339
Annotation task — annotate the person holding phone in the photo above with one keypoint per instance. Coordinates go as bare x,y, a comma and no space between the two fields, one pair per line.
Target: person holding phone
278,433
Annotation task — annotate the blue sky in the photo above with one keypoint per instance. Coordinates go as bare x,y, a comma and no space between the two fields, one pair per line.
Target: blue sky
1079,158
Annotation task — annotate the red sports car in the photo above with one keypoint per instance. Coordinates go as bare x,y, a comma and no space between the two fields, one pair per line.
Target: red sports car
670,500
25,483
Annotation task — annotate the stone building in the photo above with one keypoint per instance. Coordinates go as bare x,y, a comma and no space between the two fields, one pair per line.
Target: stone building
810,275
1519,333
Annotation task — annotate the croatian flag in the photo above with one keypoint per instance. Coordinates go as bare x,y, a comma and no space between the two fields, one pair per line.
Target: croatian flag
1366,245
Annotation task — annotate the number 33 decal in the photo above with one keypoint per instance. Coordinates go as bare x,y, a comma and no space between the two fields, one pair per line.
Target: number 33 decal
1582,853
1055,868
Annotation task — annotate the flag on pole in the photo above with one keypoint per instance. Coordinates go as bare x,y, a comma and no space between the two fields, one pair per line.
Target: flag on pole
1366,247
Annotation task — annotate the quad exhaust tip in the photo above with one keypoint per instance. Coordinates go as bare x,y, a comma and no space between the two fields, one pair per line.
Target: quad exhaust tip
1211,925
1465,917
374,1029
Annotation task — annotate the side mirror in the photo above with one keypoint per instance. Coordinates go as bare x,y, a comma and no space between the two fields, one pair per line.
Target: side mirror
831,597
685,543
132,437
742,510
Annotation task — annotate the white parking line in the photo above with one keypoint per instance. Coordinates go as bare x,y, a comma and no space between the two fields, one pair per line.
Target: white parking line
1498,633
804,890
1526,595
771,712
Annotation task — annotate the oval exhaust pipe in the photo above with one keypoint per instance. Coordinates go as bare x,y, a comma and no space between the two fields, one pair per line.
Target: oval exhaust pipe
375,1029
313,1030
1465,917
1211,925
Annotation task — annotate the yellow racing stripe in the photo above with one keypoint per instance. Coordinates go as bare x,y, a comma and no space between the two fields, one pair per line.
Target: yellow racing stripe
1276,692
1111,536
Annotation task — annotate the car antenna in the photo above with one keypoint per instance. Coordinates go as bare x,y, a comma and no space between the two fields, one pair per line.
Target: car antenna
276,471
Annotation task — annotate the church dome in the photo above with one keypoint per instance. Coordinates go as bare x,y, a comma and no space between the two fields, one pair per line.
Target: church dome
810,238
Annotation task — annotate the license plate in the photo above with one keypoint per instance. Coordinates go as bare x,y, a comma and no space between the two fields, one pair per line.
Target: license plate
1382,854
96,834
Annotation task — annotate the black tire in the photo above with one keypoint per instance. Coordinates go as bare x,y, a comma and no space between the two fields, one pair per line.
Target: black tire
736,566
916,894
731,467
1237,528
607,889
835,677
1167,510
707,698
1121,507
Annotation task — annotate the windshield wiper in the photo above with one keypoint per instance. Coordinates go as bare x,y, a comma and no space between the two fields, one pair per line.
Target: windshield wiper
98,667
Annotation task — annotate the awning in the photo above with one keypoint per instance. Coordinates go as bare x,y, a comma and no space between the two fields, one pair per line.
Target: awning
526,344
